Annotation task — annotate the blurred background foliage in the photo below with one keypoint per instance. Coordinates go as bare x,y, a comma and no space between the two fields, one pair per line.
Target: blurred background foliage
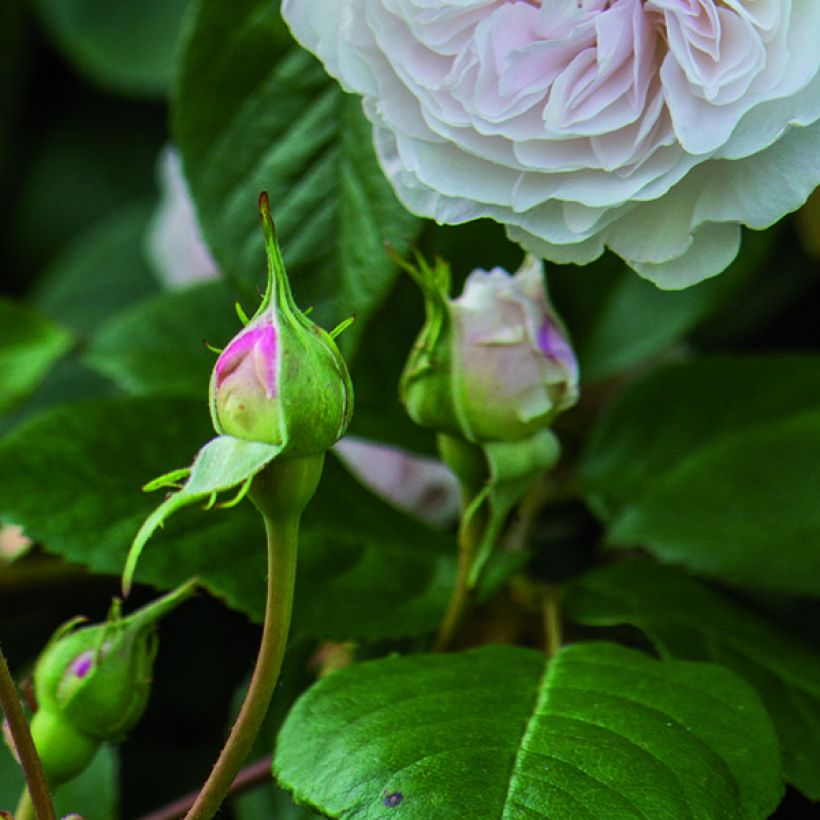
91,93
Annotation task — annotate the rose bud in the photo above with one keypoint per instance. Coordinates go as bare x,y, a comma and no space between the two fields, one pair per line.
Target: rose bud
92,684
495,364
282,380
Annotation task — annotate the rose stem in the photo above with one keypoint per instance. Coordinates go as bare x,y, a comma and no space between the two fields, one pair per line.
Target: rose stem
37,786
251,776
282,538
469,538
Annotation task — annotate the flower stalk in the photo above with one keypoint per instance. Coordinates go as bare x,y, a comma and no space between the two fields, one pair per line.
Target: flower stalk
280,492
469,540
36,799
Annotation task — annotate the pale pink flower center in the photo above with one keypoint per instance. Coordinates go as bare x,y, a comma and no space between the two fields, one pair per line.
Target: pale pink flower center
252,351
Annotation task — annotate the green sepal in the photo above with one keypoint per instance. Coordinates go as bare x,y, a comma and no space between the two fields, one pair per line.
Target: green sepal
223,463
425,386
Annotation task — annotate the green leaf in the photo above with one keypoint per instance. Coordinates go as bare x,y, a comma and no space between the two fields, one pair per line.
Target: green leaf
124,47
72,477
94,794
620,319
712,466
661,421
366,570
253,111
30,345
743,509
686,619
157,346
100,272
599,732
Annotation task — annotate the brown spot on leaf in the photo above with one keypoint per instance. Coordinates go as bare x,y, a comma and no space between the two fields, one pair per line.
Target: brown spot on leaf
393,800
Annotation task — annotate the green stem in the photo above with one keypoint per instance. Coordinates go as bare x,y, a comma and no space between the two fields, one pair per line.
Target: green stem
552,621
282,539
470,468
40,805
469,540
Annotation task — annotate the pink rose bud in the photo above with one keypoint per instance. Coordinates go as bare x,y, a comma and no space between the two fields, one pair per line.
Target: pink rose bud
495,364
245,383
282,380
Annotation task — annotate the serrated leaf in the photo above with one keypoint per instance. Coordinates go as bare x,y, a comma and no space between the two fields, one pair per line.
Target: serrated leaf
122,47
712,465
599,732
366,570
686,619
253,111
72,477
664,419
157,346
30,345
743,509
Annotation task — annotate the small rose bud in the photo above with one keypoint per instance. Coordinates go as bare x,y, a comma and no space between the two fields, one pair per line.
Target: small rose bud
282,380
495,364
92,684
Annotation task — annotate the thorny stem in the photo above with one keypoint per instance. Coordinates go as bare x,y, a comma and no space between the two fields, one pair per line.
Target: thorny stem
37,786
282,538
250,777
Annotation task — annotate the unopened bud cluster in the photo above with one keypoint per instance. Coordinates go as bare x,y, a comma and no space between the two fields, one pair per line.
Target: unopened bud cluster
495,364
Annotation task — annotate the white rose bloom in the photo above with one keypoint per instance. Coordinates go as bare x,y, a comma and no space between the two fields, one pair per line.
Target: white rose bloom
652,127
